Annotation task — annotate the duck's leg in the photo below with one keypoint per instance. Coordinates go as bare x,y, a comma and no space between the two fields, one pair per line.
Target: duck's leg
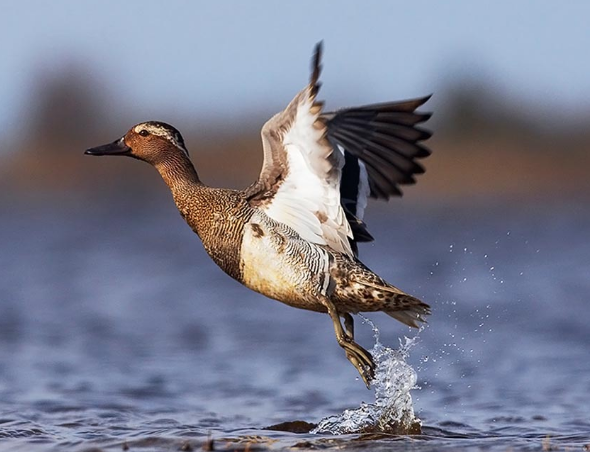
349,329
348,325
360,358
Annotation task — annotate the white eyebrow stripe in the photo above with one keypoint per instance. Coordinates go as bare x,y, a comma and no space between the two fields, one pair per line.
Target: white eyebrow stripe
164,131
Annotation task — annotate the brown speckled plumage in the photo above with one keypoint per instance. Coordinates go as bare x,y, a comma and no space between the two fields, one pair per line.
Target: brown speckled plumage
285,243
218,216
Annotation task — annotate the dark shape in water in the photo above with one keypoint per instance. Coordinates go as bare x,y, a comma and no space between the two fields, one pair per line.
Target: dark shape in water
292,427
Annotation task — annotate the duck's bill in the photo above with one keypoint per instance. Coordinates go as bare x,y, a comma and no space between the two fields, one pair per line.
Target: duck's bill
115,148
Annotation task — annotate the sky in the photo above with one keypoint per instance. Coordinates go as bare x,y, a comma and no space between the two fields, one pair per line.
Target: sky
226,59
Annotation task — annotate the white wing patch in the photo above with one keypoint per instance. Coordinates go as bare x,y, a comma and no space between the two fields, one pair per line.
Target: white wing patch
308,199
363,191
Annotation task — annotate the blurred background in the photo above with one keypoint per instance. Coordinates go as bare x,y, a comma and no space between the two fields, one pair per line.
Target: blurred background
510,84
109,307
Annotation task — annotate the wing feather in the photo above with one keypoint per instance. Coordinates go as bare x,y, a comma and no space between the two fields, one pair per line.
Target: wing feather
381,144
320,168
385,135
299,184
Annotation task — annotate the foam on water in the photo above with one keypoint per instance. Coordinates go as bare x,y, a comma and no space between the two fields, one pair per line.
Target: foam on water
392,412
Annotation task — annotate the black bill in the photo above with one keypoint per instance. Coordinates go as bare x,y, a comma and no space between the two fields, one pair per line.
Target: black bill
117,147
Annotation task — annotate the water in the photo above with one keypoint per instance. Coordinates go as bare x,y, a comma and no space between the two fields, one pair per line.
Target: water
116,330
393,411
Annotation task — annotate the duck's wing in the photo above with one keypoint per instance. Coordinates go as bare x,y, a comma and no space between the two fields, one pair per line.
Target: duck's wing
299,184
382,144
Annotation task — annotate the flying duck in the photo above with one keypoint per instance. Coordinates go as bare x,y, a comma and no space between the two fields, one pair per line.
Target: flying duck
292,235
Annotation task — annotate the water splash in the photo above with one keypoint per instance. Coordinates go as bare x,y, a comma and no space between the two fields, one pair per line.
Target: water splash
392,411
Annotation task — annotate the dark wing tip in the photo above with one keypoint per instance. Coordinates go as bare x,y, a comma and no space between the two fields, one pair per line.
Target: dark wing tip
316,68
418,102
409,106
426,98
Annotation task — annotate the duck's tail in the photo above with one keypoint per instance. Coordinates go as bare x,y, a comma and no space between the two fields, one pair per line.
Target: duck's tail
358,289
405,308
398,304
412,314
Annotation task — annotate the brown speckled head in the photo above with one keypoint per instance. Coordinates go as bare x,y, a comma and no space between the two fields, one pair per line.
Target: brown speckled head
153,142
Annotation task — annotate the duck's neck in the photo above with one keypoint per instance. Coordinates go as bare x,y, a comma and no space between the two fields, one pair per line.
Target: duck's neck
216,215
179,173
190,195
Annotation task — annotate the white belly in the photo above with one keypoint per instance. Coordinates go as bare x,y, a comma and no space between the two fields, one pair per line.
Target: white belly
277,263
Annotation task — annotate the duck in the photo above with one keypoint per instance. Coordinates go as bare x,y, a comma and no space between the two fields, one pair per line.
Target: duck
293,234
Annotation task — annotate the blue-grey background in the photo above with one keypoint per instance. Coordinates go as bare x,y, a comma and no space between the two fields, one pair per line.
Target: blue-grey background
116,327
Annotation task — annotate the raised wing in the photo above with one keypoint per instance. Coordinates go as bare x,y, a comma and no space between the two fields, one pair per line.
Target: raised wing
299,184
381,144
385,138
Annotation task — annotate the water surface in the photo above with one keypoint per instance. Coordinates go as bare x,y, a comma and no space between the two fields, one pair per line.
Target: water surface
116,330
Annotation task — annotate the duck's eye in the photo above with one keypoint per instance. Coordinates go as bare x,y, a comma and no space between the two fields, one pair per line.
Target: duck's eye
144,133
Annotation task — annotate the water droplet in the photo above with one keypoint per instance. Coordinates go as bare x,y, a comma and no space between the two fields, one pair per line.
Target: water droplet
394,379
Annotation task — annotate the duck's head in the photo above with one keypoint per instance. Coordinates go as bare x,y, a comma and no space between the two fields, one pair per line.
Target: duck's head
153,142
